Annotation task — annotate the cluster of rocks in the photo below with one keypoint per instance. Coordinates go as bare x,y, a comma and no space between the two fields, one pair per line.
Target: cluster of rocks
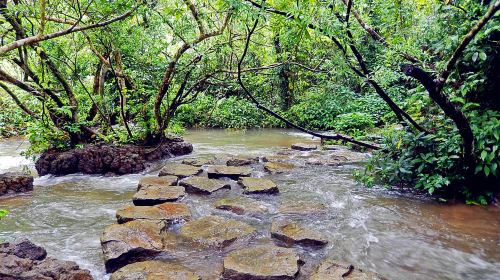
149,233
13,182
27,261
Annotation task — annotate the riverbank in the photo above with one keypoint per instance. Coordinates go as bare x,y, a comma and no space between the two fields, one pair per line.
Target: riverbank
380,230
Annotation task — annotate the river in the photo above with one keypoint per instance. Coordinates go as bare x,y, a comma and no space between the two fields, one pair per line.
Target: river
380,230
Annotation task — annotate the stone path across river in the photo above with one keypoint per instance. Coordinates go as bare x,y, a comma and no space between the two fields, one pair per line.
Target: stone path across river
160,226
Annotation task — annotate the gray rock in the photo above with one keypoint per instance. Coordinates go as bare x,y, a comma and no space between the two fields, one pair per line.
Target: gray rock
157,181
330,269
241,206
263,262
166,212
130,242
203,185
14,182
292,233
258,185
232,172
24,249
278,167
180,170
198,161
154,195
154,270
304,147
242,160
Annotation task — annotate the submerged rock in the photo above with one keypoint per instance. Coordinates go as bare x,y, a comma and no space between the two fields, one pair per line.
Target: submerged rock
106,158
157,181
258,185
263,262
166,212
302,207
180,170
14,182
292,233
215,231
304,147
27,261
330,269
276,158
232,172
130,242
203,185
241,205
154,195
242,160
198,161
154,270
278,167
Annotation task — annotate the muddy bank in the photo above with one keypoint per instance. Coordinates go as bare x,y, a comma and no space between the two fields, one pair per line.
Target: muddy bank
109,159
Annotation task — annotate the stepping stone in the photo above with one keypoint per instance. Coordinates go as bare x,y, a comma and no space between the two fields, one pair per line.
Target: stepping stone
258,185
232,172
167,212
242,160
154,270
180,170
292,233
302,207
278,167
130,242
304,147
241,205
330,269
275,158
157,181
203,185
197,161
215,231
154,195
263,262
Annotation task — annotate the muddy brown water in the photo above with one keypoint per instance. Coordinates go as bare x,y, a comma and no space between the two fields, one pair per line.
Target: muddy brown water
382,231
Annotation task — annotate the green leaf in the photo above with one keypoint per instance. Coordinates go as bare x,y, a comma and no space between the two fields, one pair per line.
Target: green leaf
484,154
482,55
475,56
486,170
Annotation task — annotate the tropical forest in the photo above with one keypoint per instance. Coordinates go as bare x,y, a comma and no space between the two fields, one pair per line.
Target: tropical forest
249,139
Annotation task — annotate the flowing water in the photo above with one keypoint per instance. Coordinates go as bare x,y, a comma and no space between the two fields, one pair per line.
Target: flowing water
396,236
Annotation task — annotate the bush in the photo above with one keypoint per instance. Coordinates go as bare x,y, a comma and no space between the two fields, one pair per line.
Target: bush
353,122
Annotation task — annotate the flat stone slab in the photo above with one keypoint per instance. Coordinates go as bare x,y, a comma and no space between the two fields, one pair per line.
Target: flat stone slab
276,158
241,205
154,195
167,212
180,170
203,185
154,270
232,172
304,147
215,231
330,269
263,262
302,207
292,233
257,185
278,167
130,242
156,181
15,182
198,161
241,160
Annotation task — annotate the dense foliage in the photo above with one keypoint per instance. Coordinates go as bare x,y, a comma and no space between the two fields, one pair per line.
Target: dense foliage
420,76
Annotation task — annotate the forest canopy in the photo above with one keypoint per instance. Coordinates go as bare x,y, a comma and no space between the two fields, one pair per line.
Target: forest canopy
416,81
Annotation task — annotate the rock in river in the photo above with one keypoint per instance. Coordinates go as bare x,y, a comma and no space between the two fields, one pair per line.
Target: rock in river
154,270
263,262
130,242
258,185
233,172
203,185
198,161
154,195
14,182
330,269
278,167
215,231
166,212
27,261
304,147
157,181
241,205
242,160
292,233
180,170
